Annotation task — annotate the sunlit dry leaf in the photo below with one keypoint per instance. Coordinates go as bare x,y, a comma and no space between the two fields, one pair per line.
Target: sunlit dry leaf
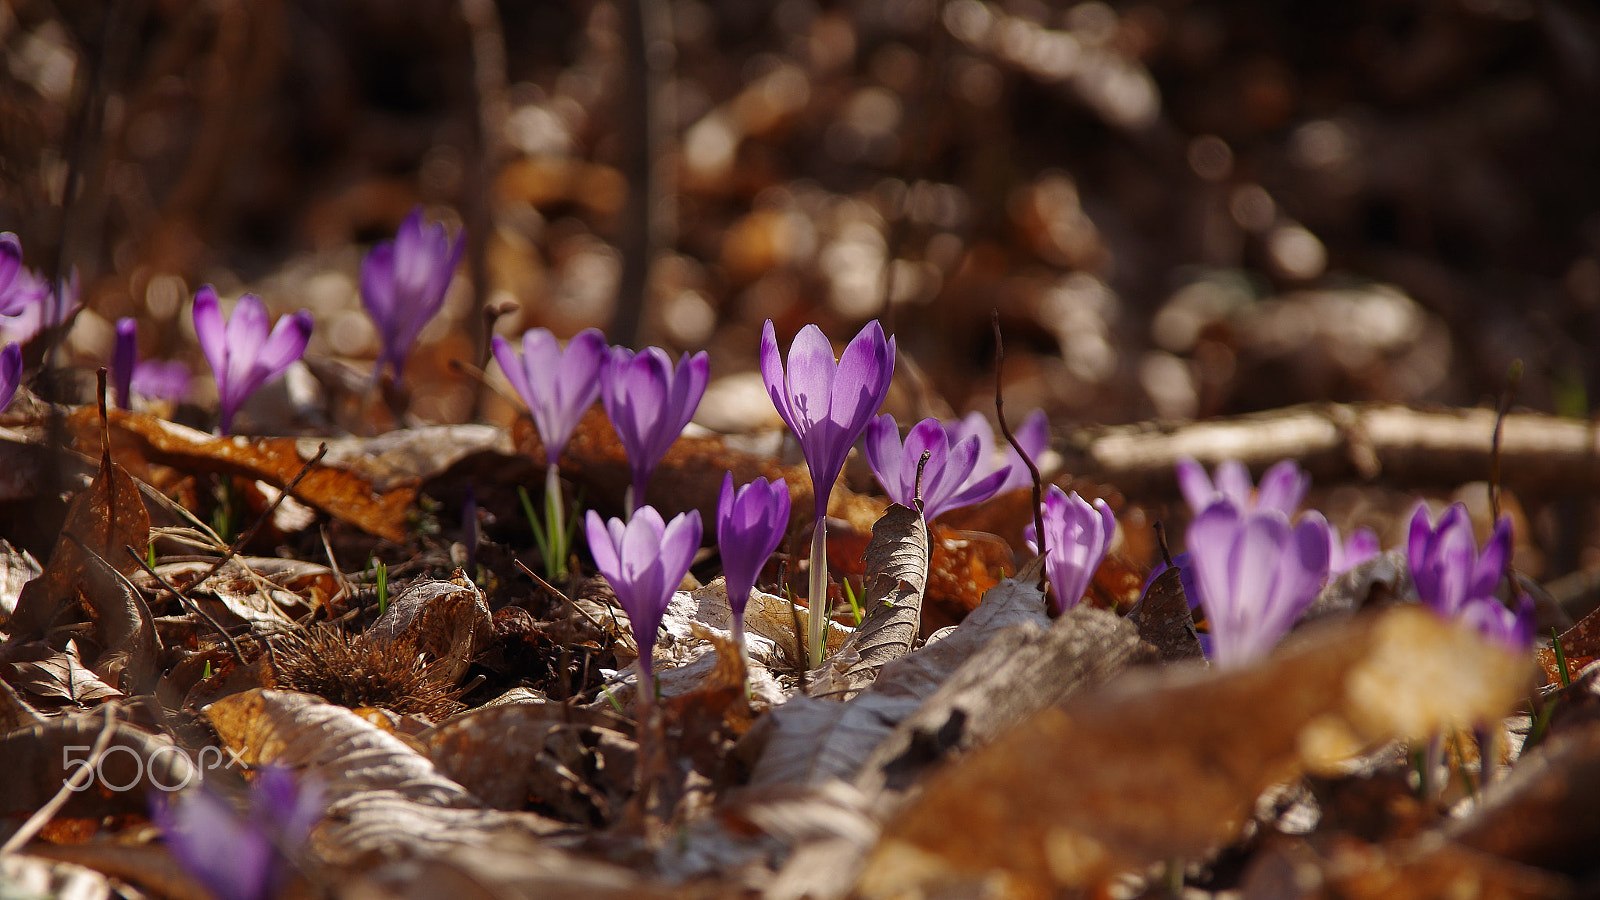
962,567
1381,579
810,744
17,568
57,675
1580,644
339,493
1019,670
449,621
1166,764
896,564
383,797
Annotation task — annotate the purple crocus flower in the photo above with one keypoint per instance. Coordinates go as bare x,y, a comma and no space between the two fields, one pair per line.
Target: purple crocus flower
1356,548
750,526
1445,563
649,402
10,373
1510,628
246,857
1077,536
644,560
1255,574
124,353
558,385
1033,434
14,293
827,404
242,353
403,283
35,306
1282,487
161,379
947,478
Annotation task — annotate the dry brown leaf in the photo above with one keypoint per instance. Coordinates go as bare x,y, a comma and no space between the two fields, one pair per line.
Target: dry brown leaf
57,675
277,461
40,758
33,876
1164,619
574,762
17,568
449,621
104,519
1166,764
1018,670
383,797
1546,812
896,572
813,741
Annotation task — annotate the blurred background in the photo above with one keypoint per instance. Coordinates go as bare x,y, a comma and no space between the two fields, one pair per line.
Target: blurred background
1179,208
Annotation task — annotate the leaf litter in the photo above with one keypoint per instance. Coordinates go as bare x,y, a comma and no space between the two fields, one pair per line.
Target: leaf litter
1072,751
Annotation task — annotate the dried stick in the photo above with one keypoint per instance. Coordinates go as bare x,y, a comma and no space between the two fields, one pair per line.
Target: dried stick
1000,414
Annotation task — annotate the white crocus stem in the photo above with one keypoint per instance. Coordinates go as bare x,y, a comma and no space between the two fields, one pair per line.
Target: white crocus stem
816,637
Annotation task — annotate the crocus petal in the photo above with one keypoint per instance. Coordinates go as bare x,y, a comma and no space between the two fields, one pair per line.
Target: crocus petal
10,373
1491,564
211,331
1283,487
377,284
863,377
285,345
810,381
124,355
650,402
212,843
1233,482
558,386
1195,484
773,376
644,560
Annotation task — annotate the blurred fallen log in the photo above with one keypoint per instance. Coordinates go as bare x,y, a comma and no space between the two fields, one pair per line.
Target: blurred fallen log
1539,454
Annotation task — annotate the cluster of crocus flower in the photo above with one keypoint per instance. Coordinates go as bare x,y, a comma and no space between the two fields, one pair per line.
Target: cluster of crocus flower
648,400
1458,581
403,283
245,350
827,403
242,857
